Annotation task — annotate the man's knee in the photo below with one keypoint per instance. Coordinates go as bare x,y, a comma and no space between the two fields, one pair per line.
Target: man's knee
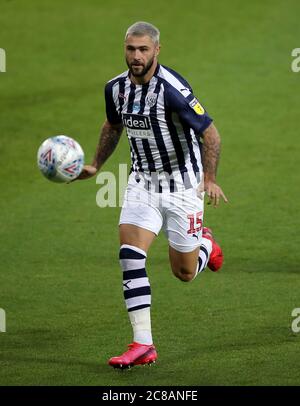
184,264
184,274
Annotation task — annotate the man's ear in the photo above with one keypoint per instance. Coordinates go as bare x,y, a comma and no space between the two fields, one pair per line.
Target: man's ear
157,50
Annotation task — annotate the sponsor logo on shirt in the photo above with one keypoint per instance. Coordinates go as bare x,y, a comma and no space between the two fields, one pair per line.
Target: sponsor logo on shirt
196,106
137,125
136,107
185,91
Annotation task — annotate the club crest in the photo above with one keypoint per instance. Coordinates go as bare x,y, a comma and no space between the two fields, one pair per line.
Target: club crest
151,99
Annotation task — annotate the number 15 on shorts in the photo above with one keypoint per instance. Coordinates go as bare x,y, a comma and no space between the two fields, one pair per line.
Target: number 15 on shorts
195,222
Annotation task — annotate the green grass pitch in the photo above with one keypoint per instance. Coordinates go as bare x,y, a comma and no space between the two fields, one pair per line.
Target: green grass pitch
60,282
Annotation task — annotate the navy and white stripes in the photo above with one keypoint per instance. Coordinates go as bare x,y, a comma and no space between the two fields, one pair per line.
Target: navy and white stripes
162,126
203,259
136,286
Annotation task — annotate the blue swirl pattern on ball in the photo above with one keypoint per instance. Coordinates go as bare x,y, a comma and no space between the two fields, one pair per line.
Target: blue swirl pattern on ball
60,159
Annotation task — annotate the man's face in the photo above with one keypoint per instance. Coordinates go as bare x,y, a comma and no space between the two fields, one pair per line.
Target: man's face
140,53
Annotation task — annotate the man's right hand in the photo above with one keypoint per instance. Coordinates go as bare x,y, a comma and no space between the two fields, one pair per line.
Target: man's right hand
87,172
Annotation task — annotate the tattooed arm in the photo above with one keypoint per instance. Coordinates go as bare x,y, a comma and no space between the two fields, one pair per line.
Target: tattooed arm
210,157
109,138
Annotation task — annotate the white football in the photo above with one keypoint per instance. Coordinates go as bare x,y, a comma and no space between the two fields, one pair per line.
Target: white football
60,159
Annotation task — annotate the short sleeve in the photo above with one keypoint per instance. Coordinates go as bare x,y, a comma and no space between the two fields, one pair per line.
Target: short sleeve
111,112
189,110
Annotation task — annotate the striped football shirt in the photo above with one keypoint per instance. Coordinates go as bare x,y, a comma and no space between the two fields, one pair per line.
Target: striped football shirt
164,122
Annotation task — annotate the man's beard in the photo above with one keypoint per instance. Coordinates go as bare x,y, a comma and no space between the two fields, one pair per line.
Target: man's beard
143,71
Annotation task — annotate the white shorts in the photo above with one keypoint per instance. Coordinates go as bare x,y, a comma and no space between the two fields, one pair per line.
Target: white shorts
179,214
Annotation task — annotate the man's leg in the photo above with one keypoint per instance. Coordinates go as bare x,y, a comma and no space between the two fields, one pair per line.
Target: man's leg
140,221
191,246
134,244
187,265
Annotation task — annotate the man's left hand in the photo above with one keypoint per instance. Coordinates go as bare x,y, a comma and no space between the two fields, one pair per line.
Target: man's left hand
213,191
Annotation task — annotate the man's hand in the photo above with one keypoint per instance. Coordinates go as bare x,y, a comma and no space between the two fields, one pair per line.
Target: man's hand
87,172
214,192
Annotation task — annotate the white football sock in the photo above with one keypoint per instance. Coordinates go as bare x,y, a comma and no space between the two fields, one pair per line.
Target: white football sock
204,254
141,324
